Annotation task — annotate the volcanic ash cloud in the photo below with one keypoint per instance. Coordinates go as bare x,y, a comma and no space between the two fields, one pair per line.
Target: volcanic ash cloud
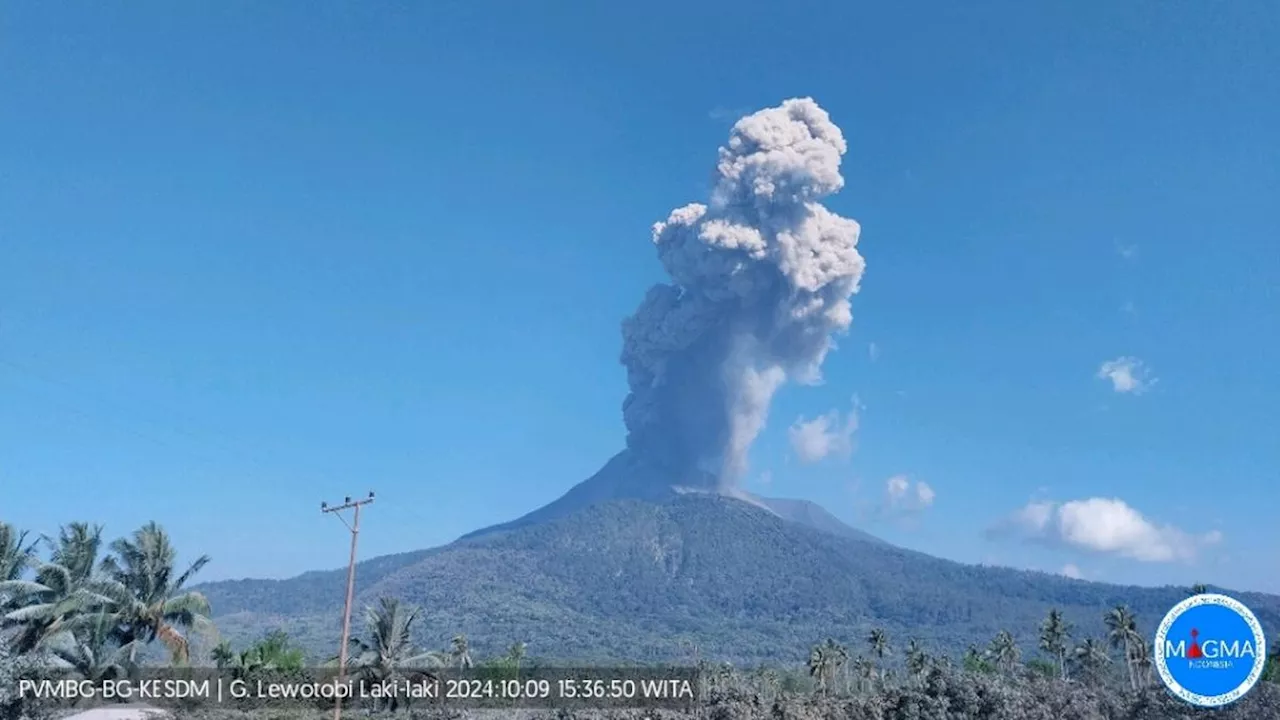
761,277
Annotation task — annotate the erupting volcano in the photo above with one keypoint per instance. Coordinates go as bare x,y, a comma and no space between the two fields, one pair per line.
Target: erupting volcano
761,281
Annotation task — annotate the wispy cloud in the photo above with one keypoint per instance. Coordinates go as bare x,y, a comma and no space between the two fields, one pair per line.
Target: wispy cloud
1106,526
1128,252
720,113
903,495
873,351
1072,571
823,436
1127,375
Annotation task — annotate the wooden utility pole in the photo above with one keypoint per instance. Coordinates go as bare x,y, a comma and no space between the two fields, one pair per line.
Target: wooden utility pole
354,527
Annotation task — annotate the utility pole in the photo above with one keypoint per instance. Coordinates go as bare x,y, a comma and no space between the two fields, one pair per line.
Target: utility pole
354,527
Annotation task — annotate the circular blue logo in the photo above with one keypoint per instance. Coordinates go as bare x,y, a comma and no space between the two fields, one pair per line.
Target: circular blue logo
1210,650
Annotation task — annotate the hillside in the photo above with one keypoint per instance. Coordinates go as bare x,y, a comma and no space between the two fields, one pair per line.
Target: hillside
636,580
630,476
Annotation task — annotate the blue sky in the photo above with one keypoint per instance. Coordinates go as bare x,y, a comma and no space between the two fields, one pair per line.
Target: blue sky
254,256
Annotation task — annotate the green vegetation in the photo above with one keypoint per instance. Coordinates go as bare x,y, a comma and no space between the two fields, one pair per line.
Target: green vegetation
460,651
825,661
1055,633
98,614
388,654
631,581
87,613
15,553
274,652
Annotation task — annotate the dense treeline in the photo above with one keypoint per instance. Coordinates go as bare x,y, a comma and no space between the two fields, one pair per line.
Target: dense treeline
100,610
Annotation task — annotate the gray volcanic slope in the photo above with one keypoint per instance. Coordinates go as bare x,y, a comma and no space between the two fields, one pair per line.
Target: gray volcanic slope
645,579
627,476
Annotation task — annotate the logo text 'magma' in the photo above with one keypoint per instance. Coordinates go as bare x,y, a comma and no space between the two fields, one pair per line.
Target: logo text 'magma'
1212,649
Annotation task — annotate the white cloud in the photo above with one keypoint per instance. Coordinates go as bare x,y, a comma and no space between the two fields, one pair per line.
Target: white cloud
1128,252
901,495
873,351
1070,570
924,494
1034,517
813,440
1106,526
1127,375
766,478
896,488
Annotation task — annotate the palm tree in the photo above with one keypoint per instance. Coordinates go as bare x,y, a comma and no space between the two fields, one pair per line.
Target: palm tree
223,656
878,640
1004,651
839,659
1122,630
90,652
819,666
1055,632
273,652
917,660
76,549
16,553
863,669
62,594
460,652
277,652
1091,656
148,596
16,556
388,653
1142,661
826,661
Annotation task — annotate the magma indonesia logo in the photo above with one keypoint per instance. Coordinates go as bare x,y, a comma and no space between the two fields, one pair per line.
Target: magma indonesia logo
1210,650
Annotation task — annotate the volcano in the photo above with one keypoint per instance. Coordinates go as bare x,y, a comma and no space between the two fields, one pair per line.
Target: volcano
659,552
627,476
620,569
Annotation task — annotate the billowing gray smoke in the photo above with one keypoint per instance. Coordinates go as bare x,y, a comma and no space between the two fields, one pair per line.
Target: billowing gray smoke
761,278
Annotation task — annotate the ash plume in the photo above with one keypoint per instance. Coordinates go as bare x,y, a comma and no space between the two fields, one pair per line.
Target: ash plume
761,277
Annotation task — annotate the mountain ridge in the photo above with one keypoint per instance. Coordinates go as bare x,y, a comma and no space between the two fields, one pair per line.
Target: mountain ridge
637,580
629,476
